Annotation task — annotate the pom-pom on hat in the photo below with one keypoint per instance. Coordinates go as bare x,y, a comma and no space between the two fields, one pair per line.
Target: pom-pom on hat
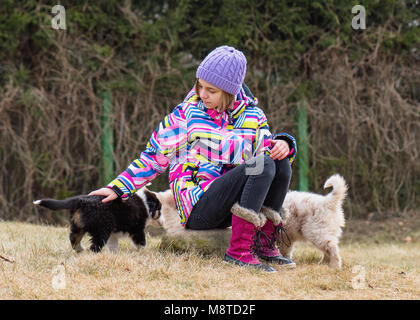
225,68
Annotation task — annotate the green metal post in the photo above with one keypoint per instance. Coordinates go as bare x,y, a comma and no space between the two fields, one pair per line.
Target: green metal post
107,170
302,140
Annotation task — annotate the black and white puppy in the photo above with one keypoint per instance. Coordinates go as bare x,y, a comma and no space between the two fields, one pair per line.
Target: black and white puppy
104,221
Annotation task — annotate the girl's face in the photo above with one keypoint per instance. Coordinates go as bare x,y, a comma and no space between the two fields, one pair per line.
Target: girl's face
209,94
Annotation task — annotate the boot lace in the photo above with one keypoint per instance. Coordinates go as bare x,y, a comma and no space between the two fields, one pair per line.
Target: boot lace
279,234
257,245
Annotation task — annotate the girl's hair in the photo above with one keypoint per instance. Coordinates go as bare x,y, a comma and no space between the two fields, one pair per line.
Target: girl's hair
227,99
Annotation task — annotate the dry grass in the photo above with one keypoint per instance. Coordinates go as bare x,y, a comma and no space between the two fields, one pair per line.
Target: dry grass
391,271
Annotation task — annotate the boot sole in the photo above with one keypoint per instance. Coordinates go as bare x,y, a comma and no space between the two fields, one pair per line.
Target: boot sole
287,266
282,265
264,267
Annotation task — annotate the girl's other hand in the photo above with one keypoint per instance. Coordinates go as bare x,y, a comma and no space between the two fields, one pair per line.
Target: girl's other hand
280,149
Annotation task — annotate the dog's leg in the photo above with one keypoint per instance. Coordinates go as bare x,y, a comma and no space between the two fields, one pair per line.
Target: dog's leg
335,259
139,238
76,236
97,244
326,257
99,239
286,251
285,245
331,255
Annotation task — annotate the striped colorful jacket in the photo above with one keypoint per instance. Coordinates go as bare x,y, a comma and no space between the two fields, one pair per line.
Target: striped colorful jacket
199,145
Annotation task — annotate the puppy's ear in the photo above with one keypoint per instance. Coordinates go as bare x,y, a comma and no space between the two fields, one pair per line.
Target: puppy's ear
153,203
154,208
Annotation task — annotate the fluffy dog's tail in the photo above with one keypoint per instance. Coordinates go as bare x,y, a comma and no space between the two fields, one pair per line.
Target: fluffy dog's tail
69,203
339,192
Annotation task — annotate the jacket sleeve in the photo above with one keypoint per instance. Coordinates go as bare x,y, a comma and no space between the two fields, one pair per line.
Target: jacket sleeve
165,146
264,135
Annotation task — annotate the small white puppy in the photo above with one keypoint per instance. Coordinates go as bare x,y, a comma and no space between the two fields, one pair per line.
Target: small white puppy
315,218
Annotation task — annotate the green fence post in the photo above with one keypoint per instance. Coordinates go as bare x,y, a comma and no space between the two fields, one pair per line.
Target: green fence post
302,140
107,169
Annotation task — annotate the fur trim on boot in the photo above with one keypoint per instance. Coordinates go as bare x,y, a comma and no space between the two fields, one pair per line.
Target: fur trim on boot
258,220
272,215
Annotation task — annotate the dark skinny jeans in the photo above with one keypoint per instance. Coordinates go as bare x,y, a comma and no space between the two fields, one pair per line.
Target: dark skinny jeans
244,184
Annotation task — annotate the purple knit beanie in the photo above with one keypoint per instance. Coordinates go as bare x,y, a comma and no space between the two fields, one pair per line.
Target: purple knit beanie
225,68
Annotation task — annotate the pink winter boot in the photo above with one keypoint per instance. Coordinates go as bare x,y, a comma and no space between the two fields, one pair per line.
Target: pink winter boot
271,232
246,223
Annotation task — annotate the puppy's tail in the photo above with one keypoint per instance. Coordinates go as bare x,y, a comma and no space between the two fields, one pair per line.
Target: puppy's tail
339,192
69,203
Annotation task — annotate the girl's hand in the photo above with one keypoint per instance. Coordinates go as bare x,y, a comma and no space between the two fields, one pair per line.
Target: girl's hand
109,193
280,149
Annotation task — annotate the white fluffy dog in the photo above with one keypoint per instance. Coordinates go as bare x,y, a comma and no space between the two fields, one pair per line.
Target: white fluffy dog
317,219
306,217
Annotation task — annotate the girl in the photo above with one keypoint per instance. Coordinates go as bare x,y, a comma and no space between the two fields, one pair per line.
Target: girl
225,167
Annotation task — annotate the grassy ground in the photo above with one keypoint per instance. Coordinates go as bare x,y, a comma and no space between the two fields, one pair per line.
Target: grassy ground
381,260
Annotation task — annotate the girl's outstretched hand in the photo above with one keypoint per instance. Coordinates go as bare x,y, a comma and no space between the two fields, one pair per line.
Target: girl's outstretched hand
109,193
